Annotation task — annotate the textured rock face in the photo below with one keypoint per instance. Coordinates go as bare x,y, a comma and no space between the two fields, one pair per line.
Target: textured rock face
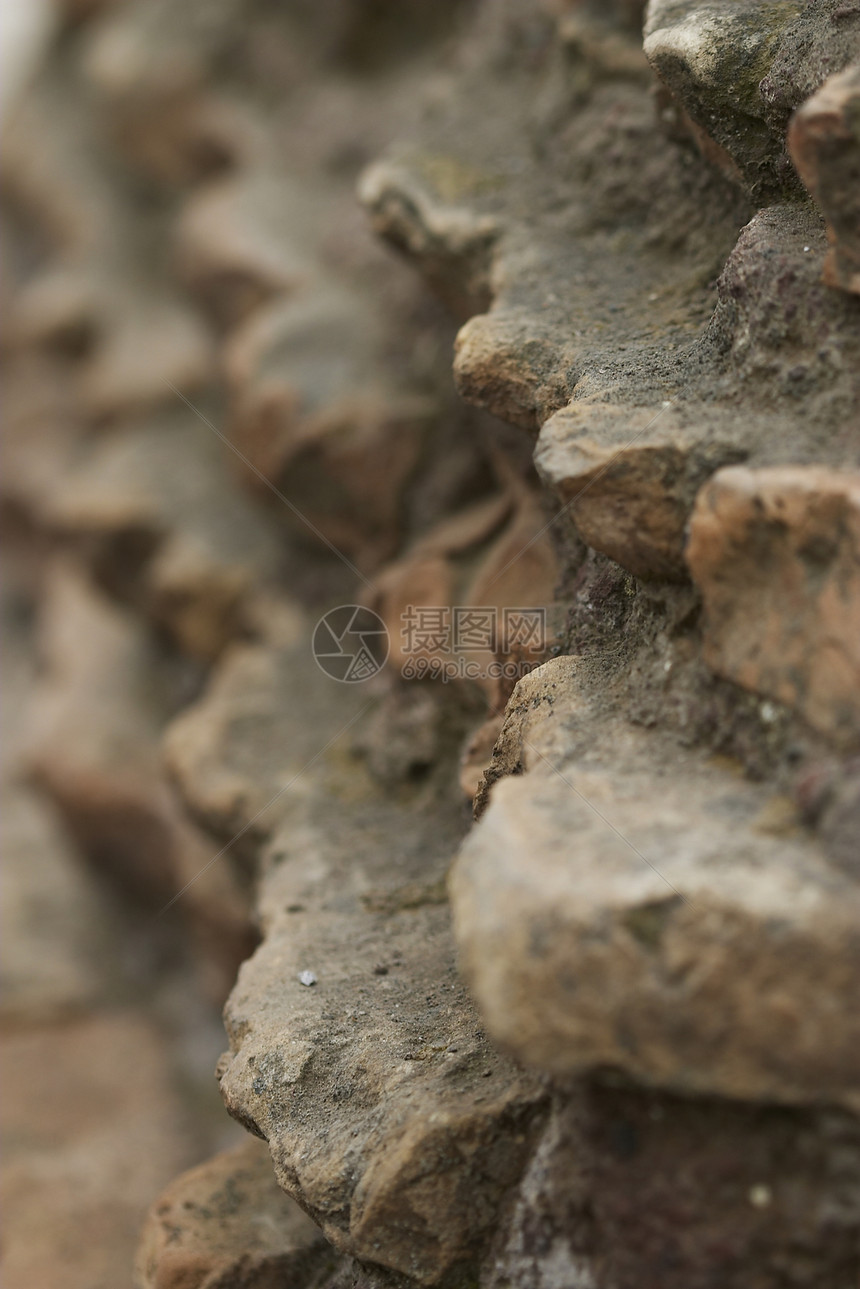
588,945
739,70
445,313
387,1114
624,1178
227,1224
825,147
776,554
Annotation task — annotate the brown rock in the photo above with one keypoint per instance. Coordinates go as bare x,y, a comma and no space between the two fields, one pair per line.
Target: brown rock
476,756
776,555
825,146
55,926
148,67
502,363
93,299
621,907
536,722
628,478
56,923
313,417
227,1224
436,225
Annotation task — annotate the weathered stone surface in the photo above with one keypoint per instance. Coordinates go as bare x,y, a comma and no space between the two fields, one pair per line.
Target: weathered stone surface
776,554
387,1114
54,919
584,249
227,1224
42,430
788,342
825,146
739,71
310,411
666,918
92,1130
627,477
764,369
536,723
546,227
708,1192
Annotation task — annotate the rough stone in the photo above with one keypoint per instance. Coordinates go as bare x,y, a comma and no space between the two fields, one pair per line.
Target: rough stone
628,476
739,72
776,555
825,146
227,1224
387,1114
132,334
498,556
706,1191
55,920
665,918
678,1042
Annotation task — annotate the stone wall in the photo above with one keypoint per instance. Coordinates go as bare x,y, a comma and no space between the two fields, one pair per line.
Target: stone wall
432,489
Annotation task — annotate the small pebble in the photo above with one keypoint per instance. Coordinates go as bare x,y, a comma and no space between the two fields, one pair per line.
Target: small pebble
307,978
760,1196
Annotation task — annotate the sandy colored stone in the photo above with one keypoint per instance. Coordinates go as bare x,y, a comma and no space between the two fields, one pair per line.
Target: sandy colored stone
536,722
312,416
388,1116
148,67
776,555
42,432
227,1224
55,921
496,556
92,1130
825,146
621,906
628,477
